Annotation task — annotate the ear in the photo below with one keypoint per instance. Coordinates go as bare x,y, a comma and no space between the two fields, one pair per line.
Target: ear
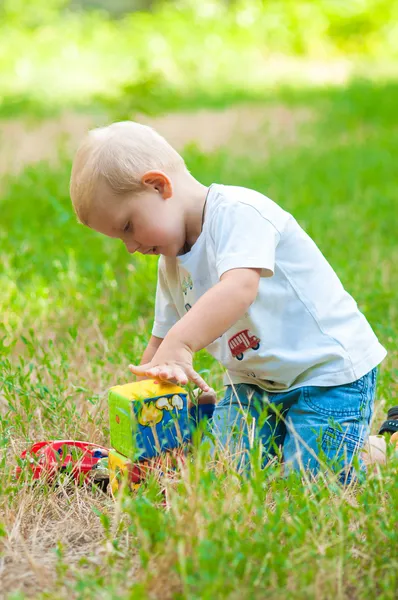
159,182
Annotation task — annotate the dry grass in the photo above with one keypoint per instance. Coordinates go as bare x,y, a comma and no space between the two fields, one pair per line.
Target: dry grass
41,528
218,536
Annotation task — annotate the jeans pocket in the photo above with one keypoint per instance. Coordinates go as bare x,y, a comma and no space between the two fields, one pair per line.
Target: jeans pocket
340,447
340,401
337,442
354,399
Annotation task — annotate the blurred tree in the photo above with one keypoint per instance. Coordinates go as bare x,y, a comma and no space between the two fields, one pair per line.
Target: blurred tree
114,8
39,12
33,13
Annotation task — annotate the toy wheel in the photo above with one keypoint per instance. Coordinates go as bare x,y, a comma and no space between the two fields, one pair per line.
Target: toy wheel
102,484
239,356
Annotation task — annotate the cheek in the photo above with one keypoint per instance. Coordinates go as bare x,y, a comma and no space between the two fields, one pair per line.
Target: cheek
163,230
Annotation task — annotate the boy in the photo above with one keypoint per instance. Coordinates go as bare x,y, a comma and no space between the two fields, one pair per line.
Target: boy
237,275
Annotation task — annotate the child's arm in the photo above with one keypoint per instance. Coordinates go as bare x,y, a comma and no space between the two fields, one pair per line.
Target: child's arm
213,314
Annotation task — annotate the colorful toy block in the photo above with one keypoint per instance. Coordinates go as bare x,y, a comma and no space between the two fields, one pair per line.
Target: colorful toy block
147,418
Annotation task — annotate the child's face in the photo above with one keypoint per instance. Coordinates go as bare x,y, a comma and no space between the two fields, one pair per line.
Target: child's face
147,223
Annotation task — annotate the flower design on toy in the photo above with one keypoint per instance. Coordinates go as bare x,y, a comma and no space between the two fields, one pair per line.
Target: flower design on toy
152,412
170,403
150,415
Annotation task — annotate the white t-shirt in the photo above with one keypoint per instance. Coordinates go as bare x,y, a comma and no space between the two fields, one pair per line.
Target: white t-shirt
302,329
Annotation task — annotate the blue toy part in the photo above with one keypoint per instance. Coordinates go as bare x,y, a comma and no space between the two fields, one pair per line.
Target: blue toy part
148,418
200,412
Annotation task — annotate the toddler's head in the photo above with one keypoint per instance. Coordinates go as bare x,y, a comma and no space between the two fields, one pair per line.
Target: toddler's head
124,184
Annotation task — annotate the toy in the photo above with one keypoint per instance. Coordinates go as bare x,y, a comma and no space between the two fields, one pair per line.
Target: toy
45,459
150,426
121,468
147,419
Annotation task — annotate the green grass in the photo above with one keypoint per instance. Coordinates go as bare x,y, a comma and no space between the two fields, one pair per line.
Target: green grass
76,309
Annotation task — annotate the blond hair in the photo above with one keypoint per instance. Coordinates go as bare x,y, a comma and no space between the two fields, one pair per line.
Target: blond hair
119,154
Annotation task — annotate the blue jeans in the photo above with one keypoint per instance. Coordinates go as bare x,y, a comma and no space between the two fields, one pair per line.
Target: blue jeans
310,427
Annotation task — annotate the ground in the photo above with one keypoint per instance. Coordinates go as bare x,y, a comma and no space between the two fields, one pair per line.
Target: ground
76,309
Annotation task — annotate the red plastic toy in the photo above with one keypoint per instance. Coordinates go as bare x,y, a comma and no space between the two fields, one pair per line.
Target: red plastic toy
48,458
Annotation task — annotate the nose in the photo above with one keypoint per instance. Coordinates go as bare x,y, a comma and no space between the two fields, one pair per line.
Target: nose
132,247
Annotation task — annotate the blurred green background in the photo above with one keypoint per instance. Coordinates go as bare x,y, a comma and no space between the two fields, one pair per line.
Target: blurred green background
57,53
294,98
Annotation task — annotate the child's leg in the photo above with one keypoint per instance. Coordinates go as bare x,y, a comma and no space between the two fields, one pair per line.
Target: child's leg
375,449
330,423
239,419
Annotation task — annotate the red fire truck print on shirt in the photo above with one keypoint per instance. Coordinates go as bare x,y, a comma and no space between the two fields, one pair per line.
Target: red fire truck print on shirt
242,341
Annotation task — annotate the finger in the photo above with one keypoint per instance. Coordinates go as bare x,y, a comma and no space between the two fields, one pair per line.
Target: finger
143,370
176,376
198,380
139,369
198,393
165,373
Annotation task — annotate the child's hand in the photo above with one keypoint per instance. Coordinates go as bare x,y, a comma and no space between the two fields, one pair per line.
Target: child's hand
209,397
200,398
171,363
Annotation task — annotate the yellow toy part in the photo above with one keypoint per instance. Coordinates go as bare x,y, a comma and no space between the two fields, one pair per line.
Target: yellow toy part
149,415
147,388
121,468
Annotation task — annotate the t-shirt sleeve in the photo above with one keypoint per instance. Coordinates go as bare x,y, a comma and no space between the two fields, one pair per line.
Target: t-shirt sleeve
166,314
243,238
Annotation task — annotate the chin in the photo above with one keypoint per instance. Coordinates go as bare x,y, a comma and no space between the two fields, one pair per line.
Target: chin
173,252
170,253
